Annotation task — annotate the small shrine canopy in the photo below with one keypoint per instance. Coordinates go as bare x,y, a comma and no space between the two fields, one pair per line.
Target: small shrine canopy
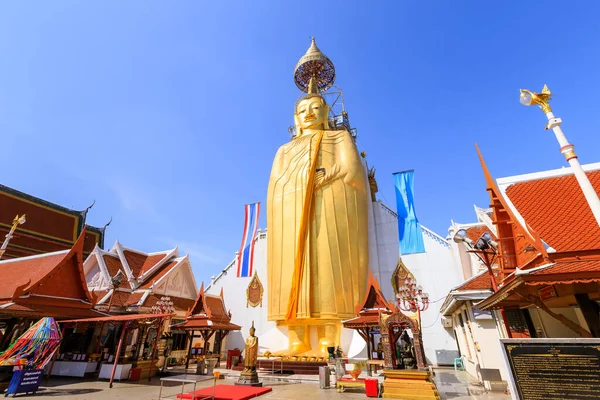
369,311
49,227
47,285
208,316
209,313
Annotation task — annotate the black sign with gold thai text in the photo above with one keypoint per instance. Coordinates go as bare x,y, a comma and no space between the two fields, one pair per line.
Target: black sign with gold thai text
554,369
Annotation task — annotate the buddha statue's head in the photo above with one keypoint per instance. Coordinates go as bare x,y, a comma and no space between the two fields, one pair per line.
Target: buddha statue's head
252,329
312,112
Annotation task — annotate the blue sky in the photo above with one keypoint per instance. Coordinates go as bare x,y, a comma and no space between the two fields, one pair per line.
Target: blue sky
169,113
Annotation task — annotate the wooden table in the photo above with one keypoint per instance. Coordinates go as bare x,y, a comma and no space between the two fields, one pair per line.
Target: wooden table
344,383
188,378
376,363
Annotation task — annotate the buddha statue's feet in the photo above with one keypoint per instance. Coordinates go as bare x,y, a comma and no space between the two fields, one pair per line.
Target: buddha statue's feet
298,338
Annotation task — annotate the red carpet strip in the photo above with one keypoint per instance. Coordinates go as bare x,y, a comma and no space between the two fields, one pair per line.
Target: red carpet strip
226,392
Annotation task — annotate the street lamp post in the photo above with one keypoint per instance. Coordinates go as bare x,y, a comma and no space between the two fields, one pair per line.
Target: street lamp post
542,99
16,222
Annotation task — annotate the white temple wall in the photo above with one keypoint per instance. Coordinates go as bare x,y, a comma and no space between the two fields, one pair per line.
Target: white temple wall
547,326
486,343
387,244
436,270
270,337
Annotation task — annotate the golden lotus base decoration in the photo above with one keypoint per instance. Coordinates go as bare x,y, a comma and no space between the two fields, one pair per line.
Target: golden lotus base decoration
354,370
407,384
355,373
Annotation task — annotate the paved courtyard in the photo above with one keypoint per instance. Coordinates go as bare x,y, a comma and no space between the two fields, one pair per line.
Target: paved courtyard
452,385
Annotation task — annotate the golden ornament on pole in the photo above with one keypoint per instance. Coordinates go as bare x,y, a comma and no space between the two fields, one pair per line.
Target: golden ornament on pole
16,222
541,99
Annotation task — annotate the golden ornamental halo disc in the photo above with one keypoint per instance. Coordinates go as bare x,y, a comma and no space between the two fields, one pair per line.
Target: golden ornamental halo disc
314,64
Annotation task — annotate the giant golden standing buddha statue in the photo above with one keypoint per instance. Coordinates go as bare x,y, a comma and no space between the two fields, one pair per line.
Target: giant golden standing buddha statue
317,252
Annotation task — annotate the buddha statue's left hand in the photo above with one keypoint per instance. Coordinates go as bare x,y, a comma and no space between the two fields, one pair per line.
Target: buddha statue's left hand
323,177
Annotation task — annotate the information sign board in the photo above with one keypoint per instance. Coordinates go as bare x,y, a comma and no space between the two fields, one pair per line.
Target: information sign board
25,381
545,369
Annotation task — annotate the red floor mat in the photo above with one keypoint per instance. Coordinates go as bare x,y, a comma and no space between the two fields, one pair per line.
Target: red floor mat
227,392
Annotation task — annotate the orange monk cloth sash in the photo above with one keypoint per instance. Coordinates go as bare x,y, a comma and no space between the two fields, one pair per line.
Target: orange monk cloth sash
307,206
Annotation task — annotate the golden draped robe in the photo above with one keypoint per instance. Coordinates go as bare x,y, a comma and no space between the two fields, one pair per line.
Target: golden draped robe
251,353
335,257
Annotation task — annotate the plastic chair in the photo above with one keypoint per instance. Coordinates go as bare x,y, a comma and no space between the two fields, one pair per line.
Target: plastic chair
459,362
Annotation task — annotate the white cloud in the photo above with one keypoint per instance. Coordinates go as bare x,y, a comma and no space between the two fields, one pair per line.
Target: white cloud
201,255
134,197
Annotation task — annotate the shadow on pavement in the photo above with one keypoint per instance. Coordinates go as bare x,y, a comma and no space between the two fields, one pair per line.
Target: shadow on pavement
50,392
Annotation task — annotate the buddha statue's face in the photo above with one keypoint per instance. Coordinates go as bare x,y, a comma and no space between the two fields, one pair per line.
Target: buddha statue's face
312,113
252,331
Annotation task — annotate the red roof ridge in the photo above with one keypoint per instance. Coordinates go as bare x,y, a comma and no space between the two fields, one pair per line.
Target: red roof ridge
547,174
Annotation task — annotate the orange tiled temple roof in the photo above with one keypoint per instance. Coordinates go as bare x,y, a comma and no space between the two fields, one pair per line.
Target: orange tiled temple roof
49,227
51,284
557,210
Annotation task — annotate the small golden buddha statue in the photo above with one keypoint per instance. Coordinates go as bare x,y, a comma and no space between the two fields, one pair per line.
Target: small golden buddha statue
249,376
317,205
251,353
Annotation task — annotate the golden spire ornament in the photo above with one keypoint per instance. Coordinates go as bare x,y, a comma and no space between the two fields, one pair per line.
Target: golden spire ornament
314,65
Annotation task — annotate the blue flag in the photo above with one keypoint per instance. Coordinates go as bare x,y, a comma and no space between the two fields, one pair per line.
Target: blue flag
409,229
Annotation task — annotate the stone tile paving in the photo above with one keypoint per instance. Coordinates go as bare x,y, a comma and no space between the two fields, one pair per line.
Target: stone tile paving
452,385
457,385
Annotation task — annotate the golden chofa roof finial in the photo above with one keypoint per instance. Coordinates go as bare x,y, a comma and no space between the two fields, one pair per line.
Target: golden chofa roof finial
314,65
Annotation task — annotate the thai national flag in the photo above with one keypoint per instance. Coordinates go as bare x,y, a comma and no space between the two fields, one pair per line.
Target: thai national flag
246,255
